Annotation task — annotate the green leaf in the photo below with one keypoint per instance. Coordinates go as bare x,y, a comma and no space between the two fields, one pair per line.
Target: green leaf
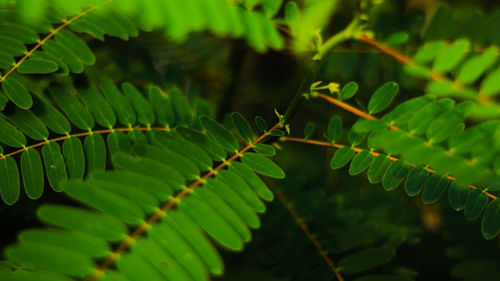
118,142
120,105
74,156
271,7
108,202
292,15
360,162
95,152
397,38
403,112
349,90
395,174
382,97
242,126
261,124
73,108
309,130
3,101
334,130
277,133
54,165
76,45
17,93
12,46
490,85
473,68
32,172
426,115
365,126
342,157
264,149
33,65
210,147
475,203
446,124
490,224
429,51
450,57
220,134
377,168
52,258
98,107
10,186
211,222
416,180
29,123
183,113
145,113
10,135
6,60
136,267
236,183
49,115
162,106
19,32
60,51
434,187
457,194
262,165
254,181
365,260
86,221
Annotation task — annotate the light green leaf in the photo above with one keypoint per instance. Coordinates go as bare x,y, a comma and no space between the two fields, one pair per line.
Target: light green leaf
271,7
292,15
365,126
450,57
382,97
242,126
136,267
403,112
74,156
206,143
32,172
446,124
397,38
377,168
95,152
262,165
490,85
54,165
17,93
474,204
183,113
220,134
342,157
395,174
416,180
236,183
426,115
434,187
473,68
254,181
365,260
490,224
334,130
349,90
10,186
37,66
429,51
360,162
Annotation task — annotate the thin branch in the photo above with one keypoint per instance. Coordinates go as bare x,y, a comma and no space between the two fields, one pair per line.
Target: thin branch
39,44
141,229
357,150
300,222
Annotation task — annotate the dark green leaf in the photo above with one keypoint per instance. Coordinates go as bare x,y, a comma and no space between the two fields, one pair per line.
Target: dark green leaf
73,108
210,146
54,165
434,187
58,50
37,66
264,149
261,124
32,172
365,260
76,45
490,224
10,135
162,106
342,157
382,97
220,134
144,111
254,181
95,152
183,113
416,180
98,107
29,123
17,93
377,168
74,156
54,119
457,194
395,174
360,162
118,102
334,129
474,204
10,186
242,126
349,90
309,130
118,141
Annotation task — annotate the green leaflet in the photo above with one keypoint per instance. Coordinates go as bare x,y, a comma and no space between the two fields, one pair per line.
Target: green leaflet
137,137
51,117
457,194
262,165
62,68
220,134
254,181
98,107
450,57
33,65
403,112
261,124
29,123
44,256
366,260
209,145
185,166
377,168
118,102
17,93
446,124
423,118
162,106
198,241
76,45
395,174
118,142
58,50
342,157
183,114
6,60
264,149
32,172
95,152
74,157
3,101
234,181
150,167
12,47
474,204
242,126
11,136
309,130
429,51
397,38
292,15
348,91
211,222
473,68
382,97
364,126
9,189
19,32
434,187
490,224
334,129
54,166
145,113
73,108
489,86
135,267
360,162
271,7
416,180
106,201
